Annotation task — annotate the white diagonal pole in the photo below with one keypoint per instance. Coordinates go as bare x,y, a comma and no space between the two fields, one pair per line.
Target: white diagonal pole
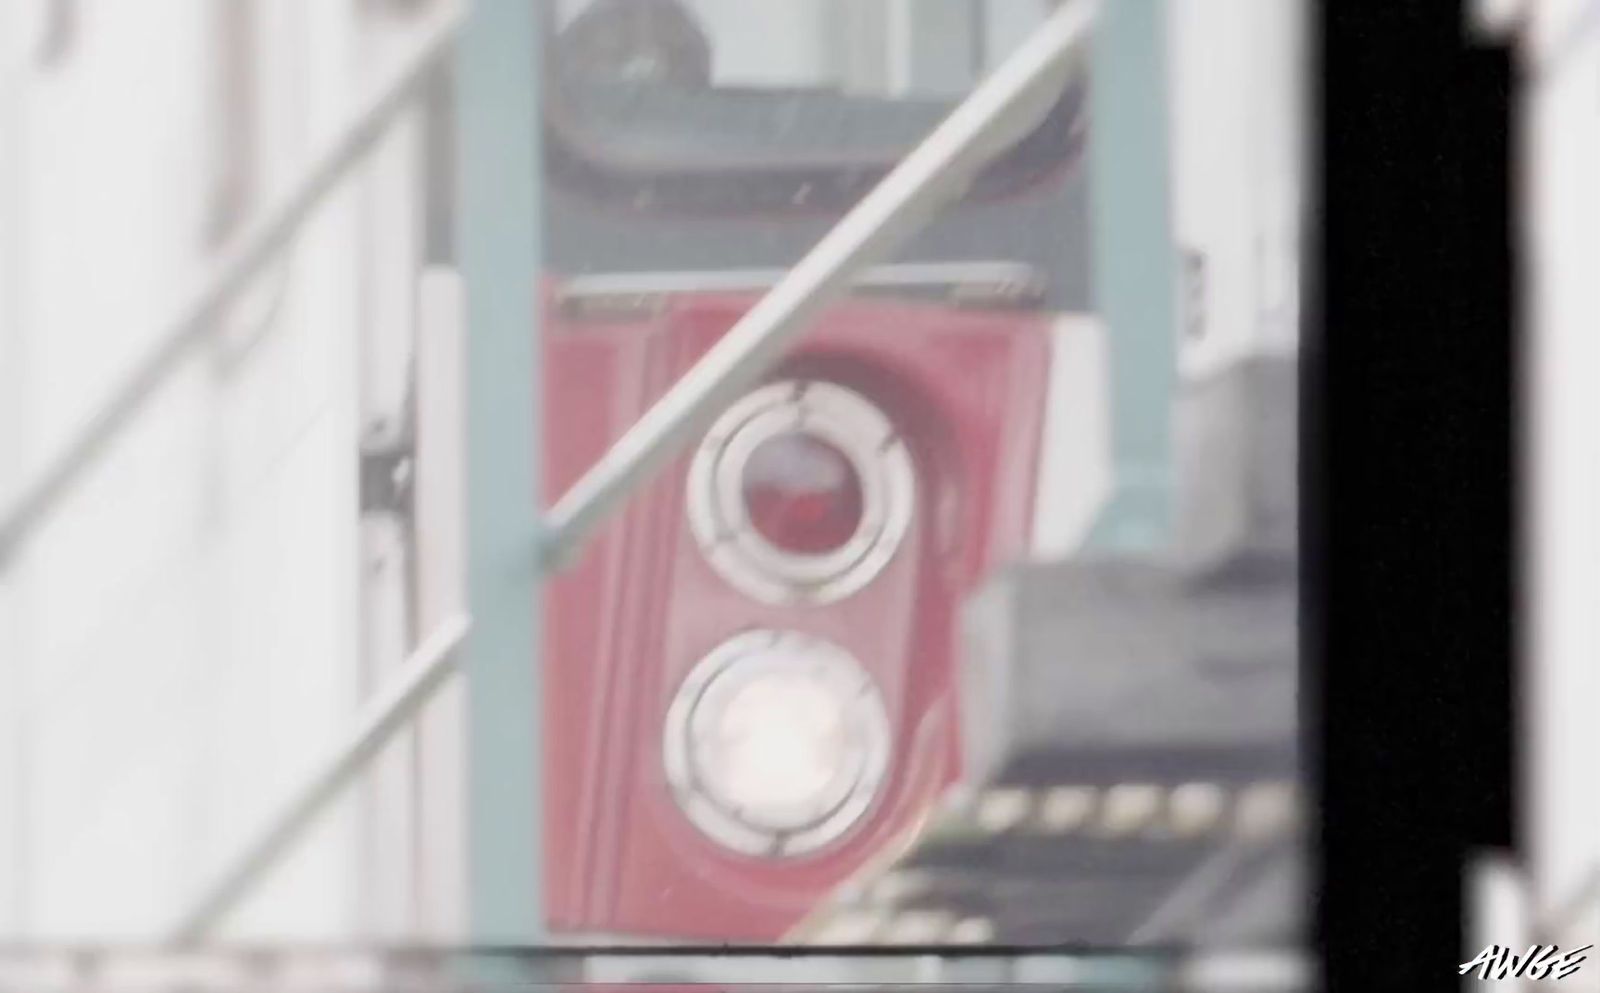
421,675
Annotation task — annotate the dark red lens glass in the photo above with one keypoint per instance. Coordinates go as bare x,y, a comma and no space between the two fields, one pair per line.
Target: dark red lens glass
802,494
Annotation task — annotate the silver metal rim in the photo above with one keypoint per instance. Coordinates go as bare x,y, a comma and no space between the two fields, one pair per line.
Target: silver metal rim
738,662
846,421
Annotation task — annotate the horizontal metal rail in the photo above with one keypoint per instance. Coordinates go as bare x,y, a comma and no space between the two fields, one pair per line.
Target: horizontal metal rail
420,677
195,322
907,276
1002,108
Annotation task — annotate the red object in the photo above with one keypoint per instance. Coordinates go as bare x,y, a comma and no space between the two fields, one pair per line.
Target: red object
802,493
627,622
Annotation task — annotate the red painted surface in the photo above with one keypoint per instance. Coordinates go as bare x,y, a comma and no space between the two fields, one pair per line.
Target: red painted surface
628,621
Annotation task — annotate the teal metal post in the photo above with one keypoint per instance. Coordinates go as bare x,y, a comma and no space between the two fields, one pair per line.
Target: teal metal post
1135,266
1135,275
498,218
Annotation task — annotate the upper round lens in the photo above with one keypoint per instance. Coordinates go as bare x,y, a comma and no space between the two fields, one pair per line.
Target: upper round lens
802,494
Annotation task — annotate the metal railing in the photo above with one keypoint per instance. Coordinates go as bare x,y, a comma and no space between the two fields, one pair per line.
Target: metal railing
1000,110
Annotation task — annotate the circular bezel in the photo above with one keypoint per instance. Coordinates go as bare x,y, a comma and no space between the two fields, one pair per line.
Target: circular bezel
801,828
719,515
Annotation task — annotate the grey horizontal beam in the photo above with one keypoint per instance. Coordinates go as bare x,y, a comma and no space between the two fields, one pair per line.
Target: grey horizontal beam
1197,649
195,321
1108,661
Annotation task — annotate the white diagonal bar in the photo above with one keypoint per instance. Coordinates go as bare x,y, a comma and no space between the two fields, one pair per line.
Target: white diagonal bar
420,677
1002,109
195,321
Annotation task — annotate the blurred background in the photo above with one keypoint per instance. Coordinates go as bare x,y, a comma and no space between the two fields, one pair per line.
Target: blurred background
968,619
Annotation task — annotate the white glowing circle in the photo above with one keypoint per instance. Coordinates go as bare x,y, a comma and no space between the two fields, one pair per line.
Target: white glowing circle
776,743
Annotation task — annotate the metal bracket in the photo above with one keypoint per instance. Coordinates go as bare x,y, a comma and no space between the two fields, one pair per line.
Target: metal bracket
388,465
387,478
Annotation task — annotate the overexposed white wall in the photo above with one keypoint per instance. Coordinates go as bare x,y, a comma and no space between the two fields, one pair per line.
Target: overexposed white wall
1559,201
10,667
179,639
1237,79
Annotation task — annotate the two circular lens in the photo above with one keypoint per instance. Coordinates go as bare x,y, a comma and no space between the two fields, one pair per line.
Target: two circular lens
777,743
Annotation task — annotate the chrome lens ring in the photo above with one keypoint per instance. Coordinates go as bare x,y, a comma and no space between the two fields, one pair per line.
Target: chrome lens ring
767,678
719,515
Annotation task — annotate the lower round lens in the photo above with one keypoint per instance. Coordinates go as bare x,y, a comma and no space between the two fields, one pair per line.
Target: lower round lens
780,744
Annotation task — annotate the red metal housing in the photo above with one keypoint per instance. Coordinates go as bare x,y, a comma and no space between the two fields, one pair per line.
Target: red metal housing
965,388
